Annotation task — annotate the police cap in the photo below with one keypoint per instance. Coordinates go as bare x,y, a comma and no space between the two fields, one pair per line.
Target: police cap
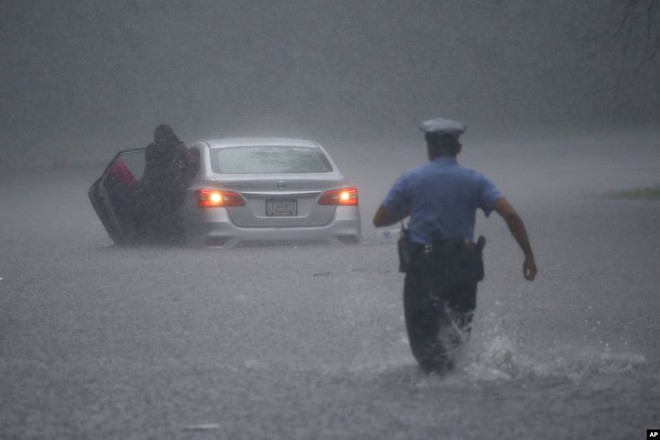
443,126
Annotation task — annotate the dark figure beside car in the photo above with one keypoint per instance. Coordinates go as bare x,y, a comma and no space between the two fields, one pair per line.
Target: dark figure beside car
169,169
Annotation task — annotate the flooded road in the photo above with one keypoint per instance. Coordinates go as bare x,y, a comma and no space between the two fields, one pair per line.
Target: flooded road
309,342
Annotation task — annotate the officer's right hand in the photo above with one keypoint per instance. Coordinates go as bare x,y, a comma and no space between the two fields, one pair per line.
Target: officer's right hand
529,268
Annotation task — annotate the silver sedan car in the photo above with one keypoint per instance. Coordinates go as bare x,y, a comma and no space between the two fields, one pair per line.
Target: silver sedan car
248,190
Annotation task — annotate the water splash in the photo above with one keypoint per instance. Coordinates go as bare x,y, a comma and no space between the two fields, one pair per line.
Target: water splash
499,357
497,360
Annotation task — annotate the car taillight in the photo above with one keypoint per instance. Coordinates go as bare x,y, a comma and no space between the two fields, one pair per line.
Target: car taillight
342,196
215,198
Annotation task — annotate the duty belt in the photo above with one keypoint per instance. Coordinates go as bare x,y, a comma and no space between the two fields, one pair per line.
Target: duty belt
428,248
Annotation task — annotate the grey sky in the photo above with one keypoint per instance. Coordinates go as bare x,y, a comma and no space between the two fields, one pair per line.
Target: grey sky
88,78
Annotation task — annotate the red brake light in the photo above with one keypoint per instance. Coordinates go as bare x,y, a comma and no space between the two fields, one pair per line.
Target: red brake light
215,198
341,196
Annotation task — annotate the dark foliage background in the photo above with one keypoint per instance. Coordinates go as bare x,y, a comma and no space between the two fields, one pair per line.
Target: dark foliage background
79,80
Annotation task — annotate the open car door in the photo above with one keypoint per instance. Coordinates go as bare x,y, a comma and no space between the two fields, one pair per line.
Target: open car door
115,195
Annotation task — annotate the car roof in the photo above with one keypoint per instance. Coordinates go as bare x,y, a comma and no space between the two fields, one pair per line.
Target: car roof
261,141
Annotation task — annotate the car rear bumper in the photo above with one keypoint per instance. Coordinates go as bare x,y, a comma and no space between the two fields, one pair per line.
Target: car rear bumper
213,228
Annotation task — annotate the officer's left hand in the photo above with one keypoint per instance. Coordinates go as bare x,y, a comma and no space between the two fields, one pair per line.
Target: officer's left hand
529,269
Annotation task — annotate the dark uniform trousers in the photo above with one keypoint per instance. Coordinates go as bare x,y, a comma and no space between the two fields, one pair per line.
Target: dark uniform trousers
439,298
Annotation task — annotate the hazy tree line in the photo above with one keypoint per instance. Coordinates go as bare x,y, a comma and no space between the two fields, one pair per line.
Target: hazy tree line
96,74
638,25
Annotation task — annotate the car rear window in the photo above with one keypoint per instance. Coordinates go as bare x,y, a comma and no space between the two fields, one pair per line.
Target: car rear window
269,159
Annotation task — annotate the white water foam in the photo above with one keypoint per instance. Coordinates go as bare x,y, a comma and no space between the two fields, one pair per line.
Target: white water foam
498,357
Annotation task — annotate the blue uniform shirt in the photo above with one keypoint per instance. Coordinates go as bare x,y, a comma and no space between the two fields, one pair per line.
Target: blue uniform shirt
441,199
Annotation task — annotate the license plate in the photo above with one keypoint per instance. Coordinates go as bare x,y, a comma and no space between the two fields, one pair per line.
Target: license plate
281,207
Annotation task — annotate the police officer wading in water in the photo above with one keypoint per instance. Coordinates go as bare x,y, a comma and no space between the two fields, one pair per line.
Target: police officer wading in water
442,262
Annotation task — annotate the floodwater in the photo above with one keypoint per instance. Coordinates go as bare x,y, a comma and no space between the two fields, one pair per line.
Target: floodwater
309,342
